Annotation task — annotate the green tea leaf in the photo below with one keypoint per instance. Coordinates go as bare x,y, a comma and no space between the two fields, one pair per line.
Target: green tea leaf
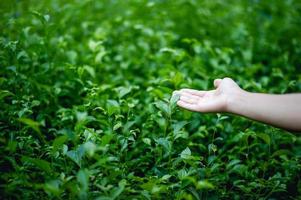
42,164
5,93
186,153
147,141
265,137
113,107
58,142
204,185
164,107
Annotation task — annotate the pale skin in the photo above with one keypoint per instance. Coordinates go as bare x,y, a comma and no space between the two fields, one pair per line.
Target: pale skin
283,111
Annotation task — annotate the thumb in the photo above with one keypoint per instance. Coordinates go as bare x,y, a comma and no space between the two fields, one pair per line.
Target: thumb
217,82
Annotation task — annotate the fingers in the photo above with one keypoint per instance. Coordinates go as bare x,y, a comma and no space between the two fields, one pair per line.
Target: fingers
217,82
193,92
186,105
189,98
193,102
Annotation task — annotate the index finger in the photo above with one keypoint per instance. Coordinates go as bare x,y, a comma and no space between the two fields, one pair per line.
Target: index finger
199,93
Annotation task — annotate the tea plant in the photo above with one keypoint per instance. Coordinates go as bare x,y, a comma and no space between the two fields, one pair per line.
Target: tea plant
86,106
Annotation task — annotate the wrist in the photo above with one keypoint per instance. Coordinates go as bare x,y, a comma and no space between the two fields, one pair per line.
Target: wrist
236,101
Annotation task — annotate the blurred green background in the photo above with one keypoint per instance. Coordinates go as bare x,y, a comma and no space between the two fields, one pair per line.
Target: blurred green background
85,99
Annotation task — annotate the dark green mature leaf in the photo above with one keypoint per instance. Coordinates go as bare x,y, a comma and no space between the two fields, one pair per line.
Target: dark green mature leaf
53,187
83,179
58,142
77,155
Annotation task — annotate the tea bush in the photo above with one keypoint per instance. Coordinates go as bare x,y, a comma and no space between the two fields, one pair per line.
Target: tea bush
86,107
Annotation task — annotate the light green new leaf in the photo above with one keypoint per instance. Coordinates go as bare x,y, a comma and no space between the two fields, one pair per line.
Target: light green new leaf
204,184
186,153
265,137
173,101
147,141
42,164
5,93
112,107
122,91
34,125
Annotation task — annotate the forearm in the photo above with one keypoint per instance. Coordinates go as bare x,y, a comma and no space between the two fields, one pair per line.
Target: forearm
283,111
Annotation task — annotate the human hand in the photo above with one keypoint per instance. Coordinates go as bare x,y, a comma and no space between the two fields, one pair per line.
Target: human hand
217,100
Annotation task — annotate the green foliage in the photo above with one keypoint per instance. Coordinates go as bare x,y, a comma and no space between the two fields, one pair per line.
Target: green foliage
85,101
